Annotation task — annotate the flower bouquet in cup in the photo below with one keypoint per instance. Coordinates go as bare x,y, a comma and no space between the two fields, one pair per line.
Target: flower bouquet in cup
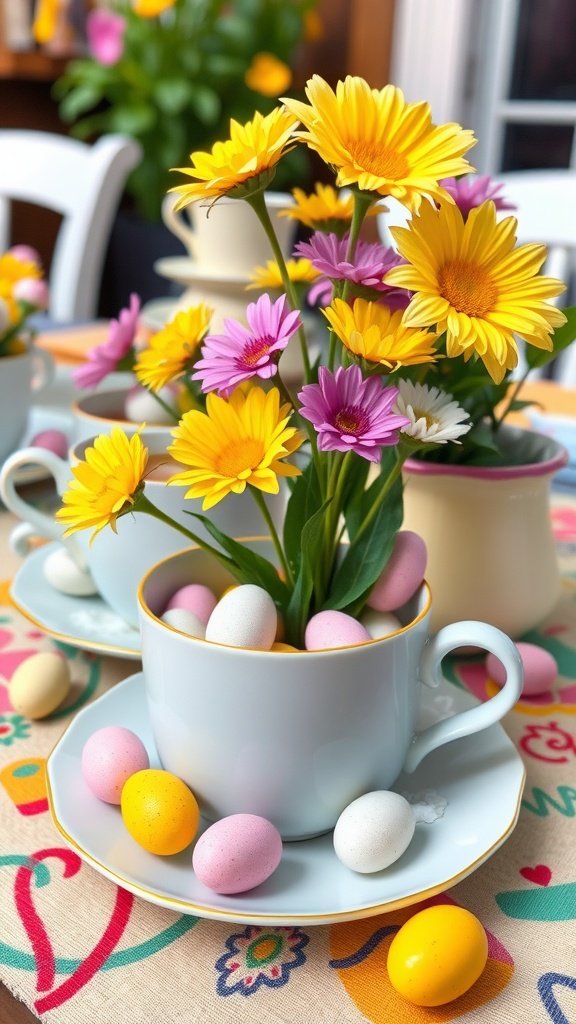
365,406
23,291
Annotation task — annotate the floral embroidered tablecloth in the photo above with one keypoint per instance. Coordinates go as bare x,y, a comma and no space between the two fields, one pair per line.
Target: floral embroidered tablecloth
76,948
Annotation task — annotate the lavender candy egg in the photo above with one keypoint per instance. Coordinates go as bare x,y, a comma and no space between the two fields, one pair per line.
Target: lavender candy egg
194,597
109,757
237,853
52,441
334,629
540,669
403,574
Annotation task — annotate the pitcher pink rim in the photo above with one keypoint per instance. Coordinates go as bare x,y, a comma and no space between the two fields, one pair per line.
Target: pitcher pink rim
545,468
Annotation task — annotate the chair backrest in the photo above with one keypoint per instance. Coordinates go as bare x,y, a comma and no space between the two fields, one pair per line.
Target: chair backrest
84,184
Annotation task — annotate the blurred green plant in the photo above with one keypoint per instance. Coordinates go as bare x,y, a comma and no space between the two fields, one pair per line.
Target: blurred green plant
181,73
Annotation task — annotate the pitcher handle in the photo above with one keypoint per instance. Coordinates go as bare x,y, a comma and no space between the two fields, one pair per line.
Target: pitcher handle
178,226
460,634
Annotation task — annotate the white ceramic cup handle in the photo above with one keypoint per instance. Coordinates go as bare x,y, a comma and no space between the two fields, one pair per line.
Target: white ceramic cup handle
44,370
178,226
38,522
460,634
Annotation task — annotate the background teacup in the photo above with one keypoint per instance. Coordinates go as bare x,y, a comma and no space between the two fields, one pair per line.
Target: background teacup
23,377
295,737
117,561
98,412
226,239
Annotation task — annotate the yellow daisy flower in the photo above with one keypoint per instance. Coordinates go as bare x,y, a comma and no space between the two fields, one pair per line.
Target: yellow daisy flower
170,351
151,8
379,142
236,442
268,75
471,282
13,270
105,485
324,206
243,164
373,332
299,271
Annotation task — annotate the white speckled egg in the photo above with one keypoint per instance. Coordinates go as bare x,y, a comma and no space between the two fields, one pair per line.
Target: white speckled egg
194,597
141,407
374,831
244,617
109,757
237,853
379,624
186,621
334,629
39,684
402,575
62,573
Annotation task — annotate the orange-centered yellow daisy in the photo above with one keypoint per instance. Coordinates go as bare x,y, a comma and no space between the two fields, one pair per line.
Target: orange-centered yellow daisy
236,442
380,143
171,351
299,271
268,75
325,208
374,333
470,281
242,165
105,485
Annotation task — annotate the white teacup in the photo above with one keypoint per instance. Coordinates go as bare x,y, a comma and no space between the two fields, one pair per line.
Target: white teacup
23,377
98,412
295,737
226,239
117,561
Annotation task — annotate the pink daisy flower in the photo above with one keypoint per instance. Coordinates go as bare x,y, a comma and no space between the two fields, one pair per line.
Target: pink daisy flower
350,413
245,352
372,261
105,31
469,192
104,359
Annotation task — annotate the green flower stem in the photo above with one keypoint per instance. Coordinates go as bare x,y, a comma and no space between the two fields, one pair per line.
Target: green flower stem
173,415
498,420
142,504
362,204
259,499
334,491
368,518
258,204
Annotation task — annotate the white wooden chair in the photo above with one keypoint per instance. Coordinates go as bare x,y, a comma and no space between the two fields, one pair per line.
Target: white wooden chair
83,183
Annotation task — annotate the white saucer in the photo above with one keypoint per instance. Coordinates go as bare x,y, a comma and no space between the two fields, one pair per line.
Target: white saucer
86,622
187,271
481,777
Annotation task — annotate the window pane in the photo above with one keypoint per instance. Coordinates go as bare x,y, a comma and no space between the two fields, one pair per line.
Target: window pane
531,147
544,61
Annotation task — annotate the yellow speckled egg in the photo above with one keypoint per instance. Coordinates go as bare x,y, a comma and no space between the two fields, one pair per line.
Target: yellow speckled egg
39,684
437,955
159,811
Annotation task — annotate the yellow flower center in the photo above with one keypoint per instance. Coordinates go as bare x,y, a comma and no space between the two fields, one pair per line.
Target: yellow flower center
239,458
467,287
377,159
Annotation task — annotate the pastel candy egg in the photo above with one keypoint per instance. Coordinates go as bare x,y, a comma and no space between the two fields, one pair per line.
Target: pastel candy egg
186,621
109,757
159,811
39,684
437,955
244,617
62,573
403,574
540,669
194,597
379,624
51,440
374,831
141,407
237,853
334,629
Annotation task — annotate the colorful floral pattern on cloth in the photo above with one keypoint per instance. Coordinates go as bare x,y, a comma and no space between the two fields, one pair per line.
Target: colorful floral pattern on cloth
76,947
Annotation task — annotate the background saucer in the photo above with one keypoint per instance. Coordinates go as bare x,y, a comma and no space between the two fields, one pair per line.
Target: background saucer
188,271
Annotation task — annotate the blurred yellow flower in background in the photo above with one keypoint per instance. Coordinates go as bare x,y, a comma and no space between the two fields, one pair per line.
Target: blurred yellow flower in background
151,8
324,206
268,75
299,271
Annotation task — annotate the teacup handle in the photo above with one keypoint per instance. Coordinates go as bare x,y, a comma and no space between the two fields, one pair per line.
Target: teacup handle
178,226
44,370
460,634
45,525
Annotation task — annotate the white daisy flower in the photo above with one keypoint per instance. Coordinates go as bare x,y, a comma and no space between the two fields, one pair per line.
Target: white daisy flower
435,417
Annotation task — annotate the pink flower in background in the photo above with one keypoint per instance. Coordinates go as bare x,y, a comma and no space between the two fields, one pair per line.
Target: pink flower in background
245,352
352,414
26,254
469,192
327,253
105,31
32,291
104,359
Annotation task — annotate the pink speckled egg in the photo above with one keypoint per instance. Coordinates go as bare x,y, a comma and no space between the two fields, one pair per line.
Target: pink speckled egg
52,441
109,757
403,574
334,629
540,669
196,598
237,853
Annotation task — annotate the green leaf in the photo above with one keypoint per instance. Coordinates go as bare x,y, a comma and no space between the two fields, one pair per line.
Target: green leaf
205,103
305,500
562,337
172,94
79,101
133,120
298,610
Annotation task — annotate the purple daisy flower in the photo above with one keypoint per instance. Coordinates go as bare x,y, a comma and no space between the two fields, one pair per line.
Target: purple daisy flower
372,261
350,413
245,352
103,359
469,192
